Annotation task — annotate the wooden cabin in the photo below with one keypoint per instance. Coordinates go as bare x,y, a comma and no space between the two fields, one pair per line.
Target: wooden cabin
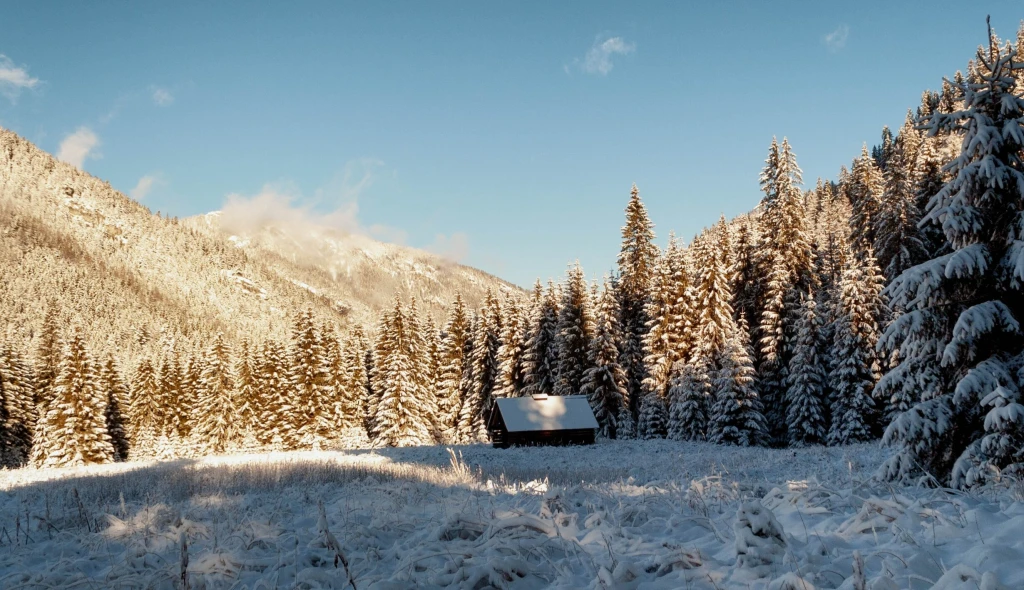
542,420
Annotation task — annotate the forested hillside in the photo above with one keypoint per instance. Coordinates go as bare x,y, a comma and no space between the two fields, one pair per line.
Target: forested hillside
97,259
883,303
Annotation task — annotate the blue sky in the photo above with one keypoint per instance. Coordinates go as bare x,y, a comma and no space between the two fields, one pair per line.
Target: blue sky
505,135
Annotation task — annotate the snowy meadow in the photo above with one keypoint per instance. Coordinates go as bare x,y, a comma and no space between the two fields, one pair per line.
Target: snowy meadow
625,514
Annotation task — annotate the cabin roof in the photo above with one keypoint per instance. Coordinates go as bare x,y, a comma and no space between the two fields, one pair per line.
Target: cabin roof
540,413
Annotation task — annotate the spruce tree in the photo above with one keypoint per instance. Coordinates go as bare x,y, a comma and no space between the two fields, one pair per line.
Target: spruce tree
856,368
246,393
455,354
422,351
960,336
482,373
785,265
898,243
171,422
747,293
188,395
737,415
604,382
73,429
432,346
48,353
805,396
308,399
668,336
573,337
277,418
691,394
865,194
400,419
218,425
653,419
637,259
117,395
144,409
929,180
19,406
772,369
688,396
541,357
512,352
353,357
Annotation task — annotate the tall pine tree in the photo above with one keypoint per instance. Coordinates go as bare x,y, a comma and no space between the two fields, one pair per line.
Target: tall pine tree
604,382
637,259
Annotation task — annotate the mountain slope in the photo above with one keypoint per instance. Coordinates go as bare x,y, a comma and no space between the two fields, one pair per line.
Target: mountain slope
125,275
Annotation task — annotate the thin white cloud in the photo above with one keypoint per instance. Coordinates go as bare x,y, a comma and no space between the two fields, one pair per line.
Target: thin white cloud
14,79
454,247
836,40
598,59
143,187
335,206
161,96
76,147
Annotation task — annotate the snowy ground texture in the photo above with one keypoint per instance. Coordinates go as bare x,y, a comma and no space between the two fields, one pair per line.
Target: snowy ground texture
633,514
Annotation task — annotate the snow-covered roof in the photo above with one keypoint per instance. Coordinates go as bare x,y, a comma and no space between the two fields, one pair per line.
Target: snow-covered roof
523,414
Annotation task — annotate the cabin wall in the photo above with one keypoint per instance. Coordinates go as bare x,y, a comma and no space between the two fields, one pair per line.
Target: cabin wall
503,439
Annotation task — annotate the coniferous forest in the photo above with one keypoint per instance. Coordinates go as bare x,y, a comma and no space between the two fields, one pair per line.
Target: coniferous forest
884,304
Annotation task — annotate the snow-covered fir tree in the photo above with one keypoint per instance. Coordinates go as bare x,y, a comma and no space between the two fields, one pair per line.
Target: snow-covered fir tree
246,393
19,405
865,193
311,411
668,336
688,395
604,381
785,264
455,354
354,392
174,413
746,293
691,393
637,259
573,336
218,419
400,417
73,429
113,386
856,366
805,397
931,159
432,346
144,409
541,355
512,352
482,374
737,415
188,394
277,415
898,243
48,352
422,350
959,337
652,421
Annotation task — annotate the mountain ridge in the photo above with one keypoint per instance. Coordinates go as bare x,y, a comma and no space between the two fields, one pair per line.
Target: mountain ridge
127,275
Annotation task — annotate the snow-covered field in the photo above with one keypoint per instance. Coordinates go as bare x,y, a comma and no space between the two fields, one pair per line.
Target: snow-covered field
633,514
